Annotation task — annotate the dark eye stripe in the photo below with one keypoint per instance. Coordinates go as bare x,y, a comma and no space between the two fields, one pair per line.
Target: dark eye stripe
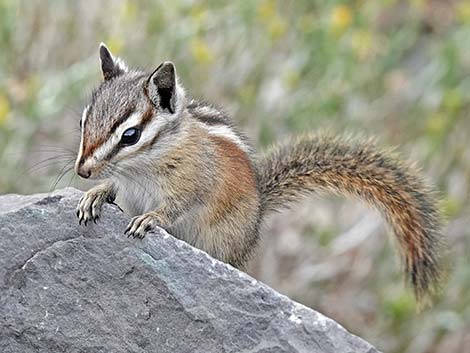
146,118
127,113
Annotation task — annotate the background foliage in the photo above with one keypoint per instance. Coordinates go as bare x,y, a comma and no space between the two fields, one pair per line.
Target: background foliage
397,70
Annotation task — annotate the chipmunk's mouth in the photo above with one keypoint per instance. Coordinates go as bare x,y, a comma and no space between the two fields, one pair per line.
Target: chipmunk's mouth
88,169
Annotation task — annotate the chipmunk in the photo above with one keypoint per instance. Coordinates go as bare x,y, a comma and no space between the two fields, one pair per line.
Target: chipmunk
179,164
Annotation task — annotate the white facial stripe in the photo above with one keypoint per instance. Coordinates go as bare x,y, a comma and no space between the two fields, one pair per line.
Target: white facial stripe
149,132
225,132
84,116
133,120
153,128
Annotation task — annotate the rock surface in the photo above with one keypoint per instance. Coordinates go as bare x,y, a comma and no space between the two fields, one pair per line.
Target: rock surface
71,288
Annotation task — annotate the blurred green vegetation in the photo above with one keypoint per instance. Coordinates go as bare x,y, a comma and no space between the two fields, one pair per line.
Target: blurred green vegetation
397,70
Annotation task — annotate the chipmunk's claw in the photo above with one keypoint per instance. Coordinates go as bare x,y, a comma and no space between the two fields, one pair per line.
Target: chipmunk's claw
140,225
89,206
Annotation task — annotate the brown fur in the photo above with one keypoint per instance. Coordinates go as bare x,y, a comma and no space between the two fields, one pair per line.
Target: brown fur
213,195
94,140
234,197
236,178
90,147
198,179
227,194
359,169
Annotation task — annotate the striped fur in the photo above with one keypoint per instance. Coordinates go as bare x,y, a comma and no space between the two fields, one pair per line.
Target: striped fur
193,173
356,168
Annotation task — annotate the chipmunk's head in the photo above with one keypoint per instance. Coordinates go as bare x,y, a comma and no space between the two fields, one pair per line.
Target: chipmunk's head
132,116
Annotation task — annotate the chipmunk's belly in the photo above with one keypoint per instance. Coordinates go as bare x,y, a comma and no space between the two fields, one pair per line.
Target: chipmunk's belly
188,226
135,197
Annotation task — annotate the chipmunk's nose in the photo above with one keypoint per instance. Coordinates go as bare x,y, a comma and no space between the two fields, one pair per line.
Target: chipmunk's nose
84,174
82,171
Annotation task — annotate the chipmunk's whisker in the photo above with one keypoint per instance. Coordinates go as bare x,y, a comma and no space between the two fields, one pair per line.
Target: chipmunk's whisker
64,170
47,162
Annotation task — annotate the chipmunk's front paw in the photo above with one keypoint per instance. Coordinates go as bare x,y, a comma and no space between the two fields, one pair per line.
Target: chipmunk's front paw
140,225
89,206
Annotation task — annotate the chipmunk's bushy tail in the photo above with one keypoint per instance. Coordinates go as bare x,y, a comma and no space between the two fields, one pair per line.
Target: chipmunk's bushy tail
356,168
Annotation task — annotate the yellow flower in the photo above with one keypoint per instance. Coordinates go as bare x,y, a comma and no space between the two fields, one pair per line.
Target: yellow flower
450,206
436,124
266,10
340,18
419,4
128,11
33,84
361,43
115,45
277,27
452,100
247,93
463,12
4,109
201,51
291,79
268,15
307,23
199,14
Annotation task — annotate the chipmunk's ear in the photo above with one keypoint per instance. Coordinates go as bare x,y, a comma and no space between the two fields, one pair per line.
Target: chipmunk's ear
163,89
110,66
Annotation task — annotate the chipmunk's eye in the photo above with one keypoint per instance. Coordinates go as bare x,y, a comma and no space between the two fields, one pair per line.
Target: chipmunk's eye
130,136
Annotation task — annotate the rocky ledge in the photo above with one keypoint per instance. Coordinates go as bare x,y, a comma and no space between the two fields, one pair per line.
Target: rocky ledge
71,288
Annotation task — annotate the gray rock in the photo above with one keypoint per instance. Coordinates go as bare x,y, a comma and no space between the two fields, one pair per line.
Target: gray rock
71,288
